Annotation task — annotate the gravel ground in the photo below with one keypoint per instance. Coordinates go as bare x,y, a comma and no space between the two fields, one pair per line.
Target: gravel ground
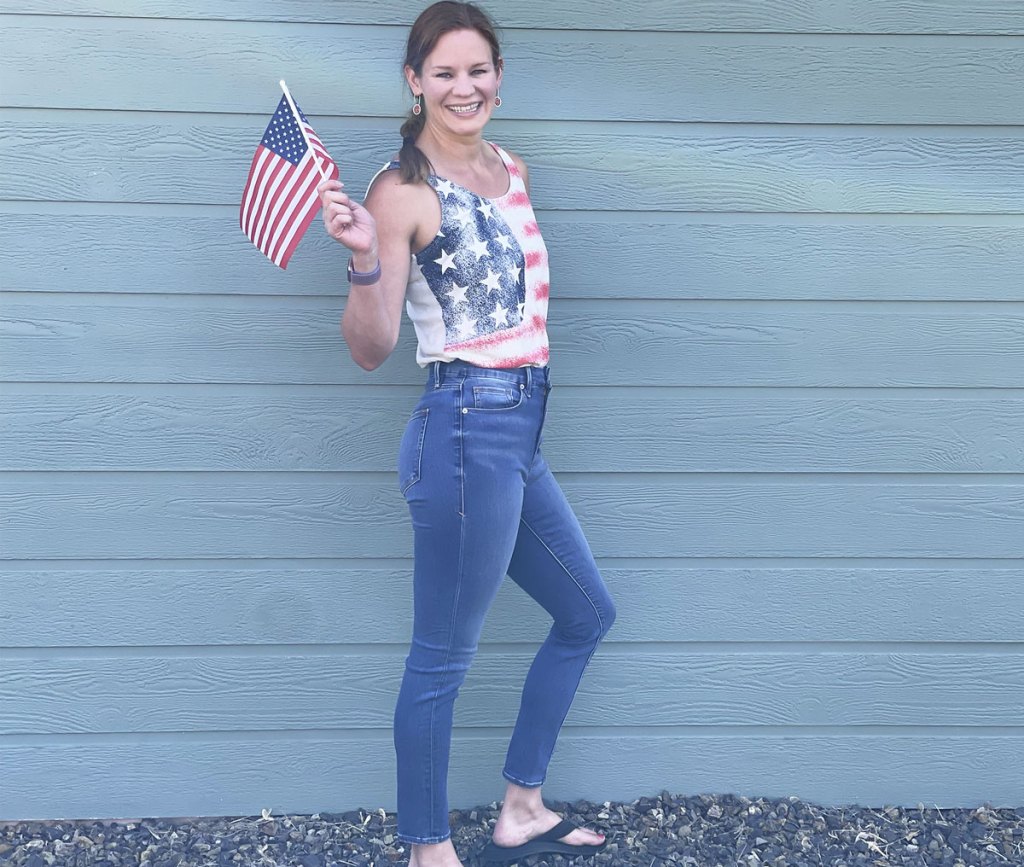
695,831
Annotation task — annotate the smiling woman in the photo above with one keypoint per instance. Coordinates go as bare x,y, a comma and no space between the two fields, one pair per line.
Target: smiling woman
448,228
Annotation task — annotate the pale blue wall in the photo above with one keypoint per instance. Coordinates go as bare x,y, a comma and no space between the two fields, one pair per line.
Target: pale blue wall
787,241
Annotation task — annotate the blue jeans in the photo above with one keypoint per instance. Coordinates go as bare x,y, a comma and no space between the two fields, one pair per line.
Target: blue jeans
484,504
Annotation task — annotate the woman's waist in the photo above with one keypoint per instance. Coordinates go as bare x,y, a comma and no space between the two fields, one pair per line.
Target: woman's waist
457,371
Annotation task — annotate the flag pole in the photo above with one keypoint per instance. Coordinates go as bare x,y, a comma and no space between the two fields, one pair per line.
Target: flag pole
298,120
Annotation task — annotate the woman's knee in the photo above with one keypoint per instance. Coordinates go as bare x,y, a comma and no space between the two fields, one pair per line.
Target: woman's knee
608,612
588,627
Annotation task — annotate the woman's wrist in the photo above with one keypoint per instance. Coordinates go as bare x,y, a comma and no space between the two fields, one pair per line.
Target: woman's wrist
364,262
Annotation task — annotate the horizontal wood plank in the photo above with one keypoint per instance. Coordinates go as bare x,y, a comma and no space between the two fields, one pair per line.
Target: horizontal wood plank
325,772
788,16
215,66
694,258
586,430
205,159
309,691
69,338
103,516
253,606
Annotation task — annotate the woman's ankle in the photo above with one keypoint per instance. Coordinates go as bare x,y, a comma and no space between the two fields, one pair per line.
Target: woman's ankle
433,854
522,799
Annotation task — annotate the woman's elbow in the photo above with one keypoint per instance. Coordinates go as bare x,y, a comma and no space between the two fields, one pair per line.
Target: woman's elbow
369,355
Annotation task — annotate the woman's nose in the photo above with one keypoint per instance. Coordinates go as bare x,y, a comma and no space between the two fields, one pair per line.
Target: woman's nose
464,86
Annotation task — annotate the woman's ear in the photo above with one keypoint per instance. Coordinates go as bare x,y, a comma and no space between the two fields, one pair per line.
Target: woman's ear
413,80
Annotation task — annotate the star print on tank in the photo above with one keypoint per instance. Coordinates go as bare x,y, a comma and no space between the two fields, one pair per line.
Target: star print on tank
491,275
479,290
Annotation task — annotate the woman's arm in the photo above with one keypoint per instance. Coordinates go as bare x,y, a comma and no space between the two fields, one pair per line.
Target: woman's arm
381,231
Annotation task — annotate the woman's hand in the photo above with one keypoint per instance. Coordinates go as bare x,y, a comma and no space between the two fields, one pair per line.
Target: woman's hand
346,220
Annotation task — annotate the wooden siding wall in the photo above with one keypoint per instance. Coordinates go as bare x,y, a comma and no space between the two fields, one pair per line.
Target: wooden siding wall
788,347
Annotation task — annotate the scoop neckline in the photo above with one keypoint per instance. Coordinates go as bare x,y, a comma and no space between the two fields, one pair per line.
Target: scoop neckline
504,165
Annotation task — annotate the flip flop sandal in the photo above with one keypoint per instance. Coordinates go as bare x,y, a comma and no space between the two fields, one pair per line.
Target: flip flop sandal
546,842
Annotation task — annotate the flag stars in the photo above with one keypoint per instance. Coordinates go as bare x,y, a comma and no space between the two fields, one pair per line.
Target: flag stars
446,261
465,326
457,293
486,209
500,317
479,247
445,186
464,217
492,281
503,240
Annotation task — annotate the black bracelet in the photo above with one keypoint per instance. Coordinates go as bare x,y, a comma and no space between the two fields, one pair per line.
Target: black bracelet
361,278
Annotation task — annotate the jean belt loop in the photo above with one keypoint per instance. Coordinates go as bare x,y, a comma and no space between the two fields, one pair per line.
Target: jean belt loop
437,374
529,382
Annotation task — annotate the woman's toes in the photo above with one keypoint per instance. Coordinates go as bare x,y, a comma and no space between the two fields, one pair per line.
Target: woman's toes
583,836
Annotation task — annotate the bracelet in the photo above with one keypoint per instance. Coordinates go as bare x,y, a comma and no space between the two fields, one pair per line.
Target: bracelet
361,278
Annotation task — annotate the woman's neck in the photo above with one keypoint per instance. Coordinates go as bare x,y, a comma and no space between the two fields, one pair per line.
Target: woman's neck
445,150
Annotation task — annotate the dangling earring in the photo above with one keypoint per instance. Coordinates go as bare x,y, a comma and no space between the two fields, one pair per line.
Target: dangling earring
416,106
497,100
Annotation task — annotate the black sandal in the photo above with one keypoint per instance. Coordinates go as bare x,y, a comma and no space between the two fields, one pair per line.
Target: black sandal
546,842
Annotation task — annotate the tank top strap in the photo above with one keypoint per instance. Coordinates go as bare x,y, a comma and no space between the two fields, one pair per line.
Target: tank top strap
516,184
389,166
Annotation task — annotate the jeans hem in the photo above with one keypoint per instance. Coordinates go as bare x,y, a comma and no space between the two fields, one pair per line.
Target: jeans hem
409,838
519,782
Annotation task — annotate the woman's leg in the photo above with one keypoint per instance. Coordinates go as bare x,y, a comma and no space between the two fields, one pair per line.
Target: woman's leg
469,470
553,563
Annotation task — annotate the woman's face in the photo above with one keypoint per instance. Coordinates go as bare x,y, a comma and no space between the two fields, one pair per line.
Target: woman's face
458,83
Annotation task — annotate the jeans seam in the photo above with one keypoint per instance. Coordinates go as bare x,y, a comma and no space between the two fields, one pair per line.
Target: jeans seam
515,779
567,571
409,838
459,404
593,604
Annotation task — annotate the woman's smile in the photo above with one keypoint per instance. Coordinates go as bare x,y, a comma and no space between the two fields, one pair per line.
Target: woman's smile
467,108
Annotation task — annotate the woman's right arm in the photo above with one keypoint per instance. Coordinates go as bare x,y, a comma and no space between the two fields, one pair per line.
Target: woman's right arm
384,231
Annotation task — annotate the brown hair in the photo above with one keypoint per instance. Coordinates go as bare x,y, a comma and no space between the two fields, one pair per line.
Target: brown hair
433,23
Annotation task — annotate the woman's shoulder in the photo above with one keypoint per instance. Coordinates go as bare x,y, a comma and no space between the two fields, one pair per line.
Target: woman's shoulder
387,183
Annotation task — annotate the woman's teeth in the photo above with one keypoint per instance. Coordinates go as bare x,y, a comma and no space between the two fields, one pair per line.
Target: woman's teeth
464,109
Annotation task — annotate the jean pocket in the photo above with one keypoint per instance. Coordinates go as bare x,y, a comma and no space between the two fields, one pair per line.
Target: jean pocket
410,450
496,397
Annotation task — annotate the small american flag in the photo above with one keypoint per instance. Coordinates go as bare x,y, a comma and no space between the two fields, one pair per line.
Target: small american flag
280,198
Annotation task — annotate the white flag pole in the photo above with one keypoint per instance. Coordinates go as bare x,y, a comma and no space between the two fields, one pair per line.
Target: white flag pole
298,120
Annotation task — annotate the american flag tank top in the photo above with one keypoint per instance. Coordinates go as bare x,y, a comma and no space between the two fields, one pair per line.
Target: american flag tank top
479,291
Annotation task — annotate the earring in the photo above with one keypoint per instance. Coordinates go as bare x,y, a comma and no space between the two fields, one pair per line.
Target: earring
497,100
417,107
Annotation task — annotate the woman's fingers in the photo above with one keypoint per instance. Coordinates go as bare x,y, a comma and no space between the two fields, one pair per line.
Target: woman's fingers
329,184
345,219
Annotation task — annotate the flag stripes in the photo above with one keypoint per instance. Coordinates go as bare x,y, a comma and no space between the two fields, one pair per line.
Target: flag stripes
280,198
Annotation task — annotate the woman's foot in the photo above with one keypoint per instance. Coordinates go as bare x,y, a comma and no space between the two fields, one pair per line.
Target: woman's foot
434,855
523,816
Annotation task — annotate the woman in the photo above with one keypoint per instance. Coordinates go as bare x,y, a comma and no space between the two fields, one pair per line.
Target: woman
449,229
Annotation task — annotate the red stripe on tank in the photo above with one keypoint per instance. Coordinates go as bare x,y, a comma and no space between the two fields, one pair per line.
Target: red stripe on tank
525,329
535,258
518,199
532,228
542,291
538,356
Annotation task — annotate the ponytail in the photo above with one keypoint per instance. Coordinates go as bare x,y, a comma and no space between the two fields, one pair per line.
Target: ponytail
415,165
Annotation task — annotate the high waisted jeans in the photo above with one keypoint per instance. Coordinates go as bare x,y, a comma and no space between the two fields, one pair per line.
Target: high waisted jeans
484,504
